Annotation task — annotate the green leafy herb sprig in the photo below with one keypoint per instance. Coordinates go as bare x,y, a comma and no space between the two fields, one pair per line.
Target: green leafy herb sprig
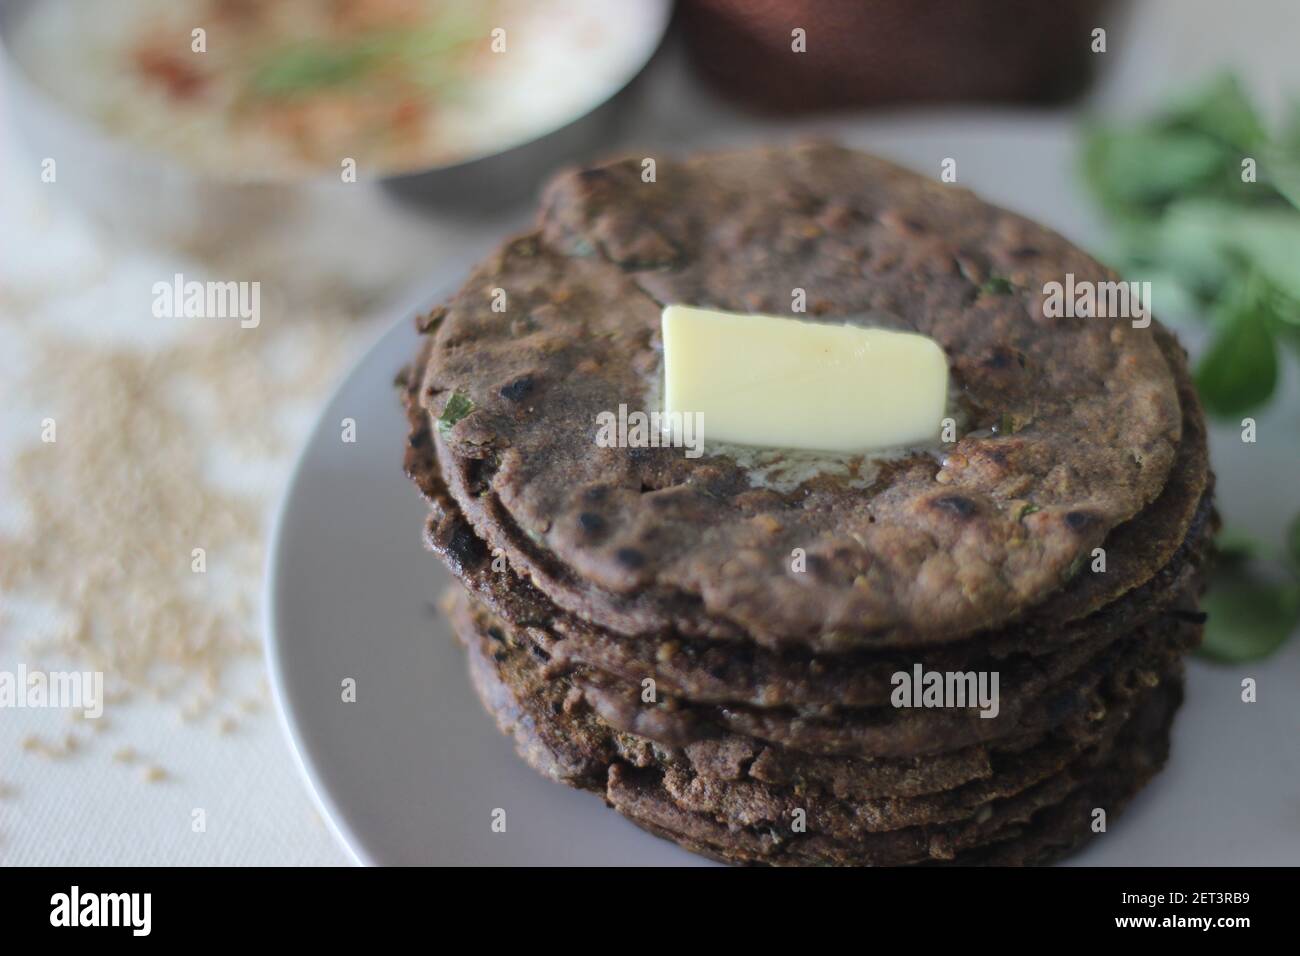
1211,243
1251,611
1216,245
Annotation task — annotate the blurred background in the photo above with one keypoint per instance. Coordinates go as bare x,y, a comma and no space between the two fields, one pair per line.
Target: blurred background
343,154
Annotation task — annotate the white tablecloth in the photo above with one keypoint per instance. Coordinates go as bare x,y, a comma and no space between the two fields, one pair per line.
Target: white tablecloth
57,276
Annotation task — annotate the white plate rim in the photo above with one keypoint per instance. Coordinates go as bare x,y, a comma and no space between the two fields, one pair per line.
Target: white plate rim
272,601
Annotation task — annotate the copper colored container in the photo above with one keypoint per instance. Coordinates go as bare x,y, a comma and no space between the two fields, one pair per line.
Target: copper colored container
861,52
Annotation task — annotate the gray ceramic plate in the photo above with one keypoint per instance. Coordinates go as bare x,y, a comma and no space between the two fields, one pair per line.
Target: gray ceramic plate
412,771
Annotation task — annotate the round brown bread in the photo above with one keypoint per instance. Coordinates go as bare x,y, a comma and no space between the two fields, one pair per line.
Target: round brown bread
1037,705
1151,563
643,540
745,820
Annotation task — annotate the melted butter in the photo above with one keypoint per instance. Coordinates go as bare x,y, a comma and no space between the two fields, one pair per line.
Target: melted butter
786,470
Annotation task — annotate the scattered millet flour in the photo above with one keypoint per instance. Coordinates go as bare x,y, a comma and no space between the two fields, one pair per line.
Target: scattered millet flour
132,485
172,434
175,437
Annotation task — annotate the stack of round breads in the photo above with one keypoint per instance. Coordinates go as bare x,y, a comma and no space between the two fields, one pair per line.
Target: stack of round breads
719,652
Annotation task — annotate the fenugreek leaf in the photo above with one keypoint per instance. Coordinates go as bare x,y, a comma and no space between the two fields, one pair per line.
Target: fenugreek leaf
457,407
1239,371
1248,617
1222,110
